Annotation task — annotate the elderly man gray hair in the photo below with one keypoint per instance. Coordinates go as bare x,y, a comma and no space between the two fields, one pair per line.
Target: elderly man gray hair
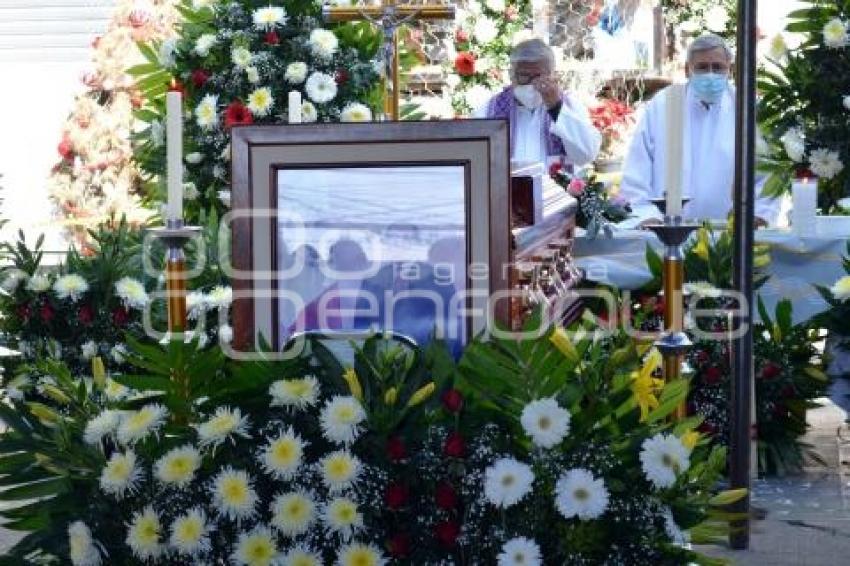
709,54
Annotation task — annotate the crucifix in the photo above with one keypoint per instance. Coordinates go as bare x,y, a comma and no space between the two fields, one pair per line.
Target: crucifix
389,15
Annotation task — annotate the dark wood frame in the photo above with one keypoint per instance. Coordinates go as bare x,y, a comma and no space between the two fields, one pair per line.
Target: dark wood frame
414,143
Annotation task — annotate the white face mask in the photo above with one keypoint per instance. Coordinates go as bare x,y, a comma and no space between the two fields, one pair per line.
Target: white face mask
528,96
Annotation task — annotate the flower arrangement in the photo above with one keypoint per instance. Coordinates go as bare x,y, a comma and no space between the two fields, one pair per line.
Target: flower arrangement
597,209
236,62
698,16
615,120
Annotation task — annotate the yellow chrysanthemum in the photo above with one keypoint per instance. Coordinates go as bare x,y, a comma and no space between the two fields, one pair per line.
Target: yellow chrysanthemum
190,533
281,457
260,101
293,513
343,516
644,386
256,548
143,535
357,554
233,494
178,466
339,470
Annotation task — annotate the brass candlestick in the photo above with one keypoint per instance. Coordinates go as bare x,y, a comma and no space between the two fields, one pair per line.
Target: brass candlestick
175,235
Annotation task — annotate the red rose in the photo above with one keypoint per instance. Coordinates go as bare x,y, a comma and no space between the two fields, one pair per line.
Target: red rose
659,306
237,114
703,357
200,77
396,496
46,313
712,375
341,77
399,545
23,311
455,446
461,35
555,168
86,314
65,148
452,400
465,64
445,496
770,371
396,450
271,38
707,428
446,533
120,316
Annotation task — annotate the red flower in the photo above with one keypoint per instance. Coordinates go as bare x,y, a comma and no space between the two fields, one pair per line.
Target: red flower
86,314
23,311
461,35
200,77
455,446
136,99
445,496
703,357
120,316
399,545
659,306
788,392
712,375
446,533
396,450
66,148
46,313
396,496
555,168
341,77
237,114
271,38
452,400
465,64
770,371
707,428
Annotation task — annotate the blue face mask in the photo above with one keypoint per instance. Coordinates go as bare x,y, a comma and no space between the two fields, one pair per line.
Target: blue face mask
709,87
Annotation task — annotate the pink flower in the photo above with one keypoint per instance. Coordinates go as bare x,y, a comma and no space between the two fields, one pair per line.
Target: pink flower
576,187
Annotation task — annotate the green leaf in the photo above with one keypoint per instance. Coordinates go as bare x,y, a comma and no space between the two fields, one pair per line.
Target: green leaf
674,394
35,489
728,497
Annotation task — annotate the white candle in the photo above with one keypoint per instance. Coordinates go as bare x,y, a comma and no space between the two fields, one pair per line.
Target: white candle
674,141
804,197
294,111
174,154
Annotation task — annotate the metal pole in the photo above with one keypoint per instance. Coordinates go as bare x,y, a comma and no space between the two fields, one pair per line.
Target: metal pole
742,352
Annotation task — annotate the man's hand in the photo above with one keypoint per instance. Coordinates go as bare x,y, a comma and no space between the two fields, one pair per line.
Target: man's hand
549,89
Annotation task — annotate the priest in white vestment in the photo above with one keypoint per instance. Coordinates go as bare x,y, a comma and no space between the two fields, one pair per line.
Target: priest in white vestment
546,123
708,153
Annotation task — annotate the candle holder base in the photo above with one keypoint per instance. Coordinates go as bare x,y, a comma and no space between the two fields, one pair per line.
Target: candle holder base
674,344
661,203
673,233
175,234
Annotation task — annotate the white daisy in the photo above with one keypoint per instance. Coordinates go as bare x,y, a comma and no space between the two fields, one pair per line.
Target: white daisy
260,103
105,424
520,551
225,334
340,470
121,474
356,112
137,425
14,277
252,74
546,422
219,297
485,30
267,18
321,87
295,393
178,466
143,534
118,353
293,513
579,494
342,516
323,43
663,457
233,494
38,283
841,289
507,481
340,419
282,456
308,112
206,113
301,556
190,533
204,43
359,554
115,391
296,73
83,550
225,423
70,286
835,33
131,292
88,350
257,547
241,57
825,163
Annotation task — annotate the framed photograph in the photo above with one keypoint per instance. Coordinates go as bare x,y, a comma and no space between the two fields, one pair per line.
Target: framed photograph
396,226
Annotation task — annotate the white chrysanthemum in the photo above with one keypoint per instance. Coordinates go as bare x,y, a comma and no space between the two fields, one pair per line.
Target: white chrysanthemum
252,74
835,33
206,113
301,556
115,391
190,192
224,198
225,334
83,550
485,30
663,457
321,87
143,534
194,158
323,43
204,43
88,350
241,57
495,5
260,101
118,353
131,292
14,277
190,533
257,547
121,474
70,286
233,494
296,73
546,422
308,112
105,424
38,283
219,297
507,481
195,305
282,456
137,425
777,47
268,18
224,423
841,289
794,144
845,101
178,466
579,494
293,513
296,393
166,53
716,19
359,554
340,470
520,551
341,418
342,516
356,112
825,163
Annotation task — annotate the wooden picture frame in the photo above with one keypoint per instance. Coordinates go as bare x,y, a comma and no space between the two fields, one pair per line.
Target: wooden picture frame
271,164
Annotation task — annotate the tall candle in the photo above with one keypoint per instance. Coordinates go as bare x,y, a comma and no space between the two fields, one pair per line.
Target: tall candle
674,141
294,111
804,197
174,154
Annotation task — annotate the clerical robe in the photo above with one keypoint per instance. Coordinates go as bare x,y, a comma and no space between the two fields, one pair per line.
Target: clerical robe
540,135
708,160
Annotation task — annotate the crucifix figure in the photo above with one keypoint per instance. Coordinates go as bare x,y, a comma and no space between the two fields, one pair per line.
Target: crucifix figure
389,15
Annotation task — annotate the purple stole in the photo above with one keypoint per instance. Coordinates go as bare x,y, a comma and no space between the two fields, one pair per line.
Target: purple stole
504,105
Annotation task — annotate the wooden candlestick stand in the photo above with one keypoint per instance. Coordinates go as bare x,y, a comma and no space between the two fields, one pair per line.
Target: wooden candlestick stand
175,235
